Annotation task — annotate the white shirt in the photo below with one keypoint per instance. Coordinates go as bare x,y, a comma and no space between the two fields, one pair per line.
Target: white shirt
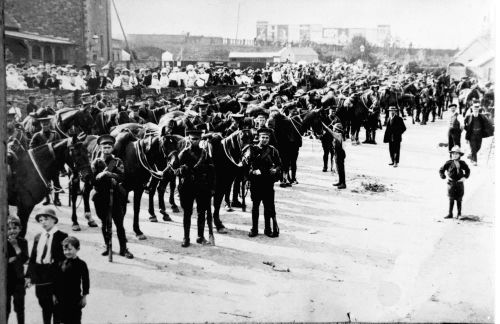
41,244
17,111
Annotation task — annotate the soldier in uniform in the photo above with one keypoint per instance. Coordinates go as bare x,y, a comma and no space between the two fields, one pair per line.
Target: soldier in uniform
339,155
265,170
197,182
203,120
44,136
109,172
455,128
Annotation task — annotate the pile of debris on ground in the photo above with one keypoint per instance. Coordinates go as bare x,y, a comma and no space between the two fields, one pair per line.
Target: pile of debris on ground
366,184
374,187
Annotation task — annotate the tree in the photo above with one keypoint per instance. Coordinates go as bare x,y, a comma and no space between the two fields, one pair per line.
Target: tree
359,49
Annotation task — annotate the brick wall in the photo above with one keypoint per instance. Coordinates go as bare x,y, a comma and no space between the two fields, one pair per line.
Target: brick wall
62,18
48,98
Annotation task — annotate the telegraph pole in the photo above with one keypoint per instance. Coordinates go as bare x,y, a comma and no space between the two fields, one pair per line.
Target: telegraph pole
123,32
4,206
237,21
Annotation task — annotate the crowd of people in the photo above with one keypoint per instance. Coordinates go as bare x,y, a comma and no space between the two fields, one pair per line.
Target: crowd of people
328,94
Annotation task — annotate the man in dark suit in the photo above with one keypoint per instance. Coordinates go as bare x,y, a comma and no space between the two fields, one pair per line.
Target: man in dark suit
477,127
393,135
31,106
47,252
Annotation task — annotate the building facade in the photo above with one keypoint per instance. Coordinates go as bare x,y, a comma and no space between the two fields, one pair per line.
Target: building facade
59,31
316,33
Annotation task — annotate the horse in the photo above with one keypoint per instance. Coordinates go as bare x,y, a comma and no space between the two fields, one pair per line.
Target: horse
173,122
357,114
389,96
410,100
28,182
142,158
77,118
289,141
106,119
173,144
226,154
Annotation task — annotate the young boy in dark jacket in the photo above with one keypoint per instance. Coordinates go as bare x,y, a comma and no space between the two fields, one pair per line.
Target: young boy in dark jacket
71,284
458,171
17,250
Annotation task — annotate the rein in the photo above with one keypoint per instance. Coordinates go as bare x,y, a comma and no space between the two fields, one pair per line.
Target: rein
37,167
224,141
141,156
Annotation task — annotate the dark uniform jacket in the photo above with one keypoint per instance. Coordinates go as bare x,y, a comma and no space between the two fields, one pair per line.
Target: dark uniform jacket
196,170
43,273
30,107
395,129
115,170
266,158
42,138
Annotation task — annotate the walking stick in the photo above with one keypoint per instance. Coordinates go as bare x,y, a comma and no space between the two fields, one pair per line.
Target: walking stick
109,225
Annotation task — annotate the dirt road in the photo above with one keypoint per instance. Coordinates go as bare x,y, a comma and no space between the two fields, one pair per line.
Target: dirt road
379,256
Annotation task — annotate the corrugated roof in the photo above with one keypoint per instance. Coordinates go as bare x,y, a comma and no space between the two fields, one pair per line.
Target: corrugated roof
253,54
38,38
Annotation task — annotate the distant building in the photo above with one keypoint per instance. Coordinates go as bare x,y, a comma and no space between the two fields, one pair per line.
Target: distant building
253,59
298,54
58,31
479,56
316,33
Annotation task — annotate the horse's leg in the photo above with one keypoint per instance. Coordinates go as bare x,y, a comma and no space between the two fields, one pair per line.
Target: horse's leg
74,186
227,199
326,151
220,190
87,188
211,238
171,199
137,207
23,212
294,166
162,186
236,190
153,184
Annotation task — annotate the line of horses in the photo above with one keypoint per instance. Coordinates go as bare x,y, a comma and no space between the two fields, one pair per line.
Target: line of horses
149,151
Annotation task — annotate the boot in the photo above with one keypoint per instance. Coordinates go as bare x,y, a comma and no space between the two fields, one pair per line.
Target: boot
126,253
367,136
47,200
57,202
185,243
236,203
253,233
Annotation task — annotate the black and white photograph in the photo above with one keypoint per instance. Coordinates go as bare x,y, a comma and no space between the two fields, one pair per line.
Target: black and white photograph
248,161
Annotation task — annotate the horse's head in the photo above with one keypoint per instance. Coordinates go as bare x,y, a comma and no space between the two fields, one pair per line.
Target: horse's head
245,136
84,120
77,157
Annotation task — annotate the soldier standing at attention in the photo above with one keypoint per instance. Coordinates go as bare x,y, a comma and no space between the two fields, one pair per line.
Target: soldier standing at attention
339,155
44,136
108,171
197,182
265,170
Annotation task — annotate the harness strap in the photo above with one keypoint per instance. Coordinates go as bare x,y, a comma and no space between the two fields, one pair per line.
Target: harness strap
226,152
37,168
144,162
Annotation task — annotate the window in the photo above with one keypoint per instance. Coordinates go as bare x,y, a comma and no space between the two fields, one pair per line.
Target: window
47,54
36,52
59,55
101,40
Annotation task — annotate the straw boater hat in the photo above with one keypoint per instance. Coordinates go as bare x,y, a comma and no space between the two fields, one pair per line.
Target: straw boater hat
47,212
456,149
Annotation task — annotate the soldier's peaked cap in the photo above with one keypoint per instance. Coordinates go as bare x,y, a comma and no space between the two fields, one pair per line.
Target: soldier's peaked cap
106,139
264,130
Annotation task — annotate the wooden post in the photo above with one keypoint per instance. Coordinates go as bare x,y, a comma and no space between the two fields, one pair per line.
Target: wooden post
4,207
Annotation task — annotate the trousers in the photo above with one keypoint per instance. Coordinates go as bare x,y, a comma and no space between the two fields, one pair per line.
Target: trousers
394,149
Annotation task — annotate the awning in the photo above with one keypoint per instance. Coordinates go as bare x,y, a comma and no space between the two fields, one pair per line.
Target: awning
38,38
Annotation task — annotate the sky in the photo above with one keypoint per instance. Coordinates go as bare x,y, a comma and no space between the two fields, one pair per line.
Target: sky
447,24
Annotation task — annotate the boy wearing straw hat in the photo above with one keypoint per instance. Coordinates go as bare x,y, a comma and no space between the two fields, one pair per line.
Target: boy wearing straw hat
457,171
